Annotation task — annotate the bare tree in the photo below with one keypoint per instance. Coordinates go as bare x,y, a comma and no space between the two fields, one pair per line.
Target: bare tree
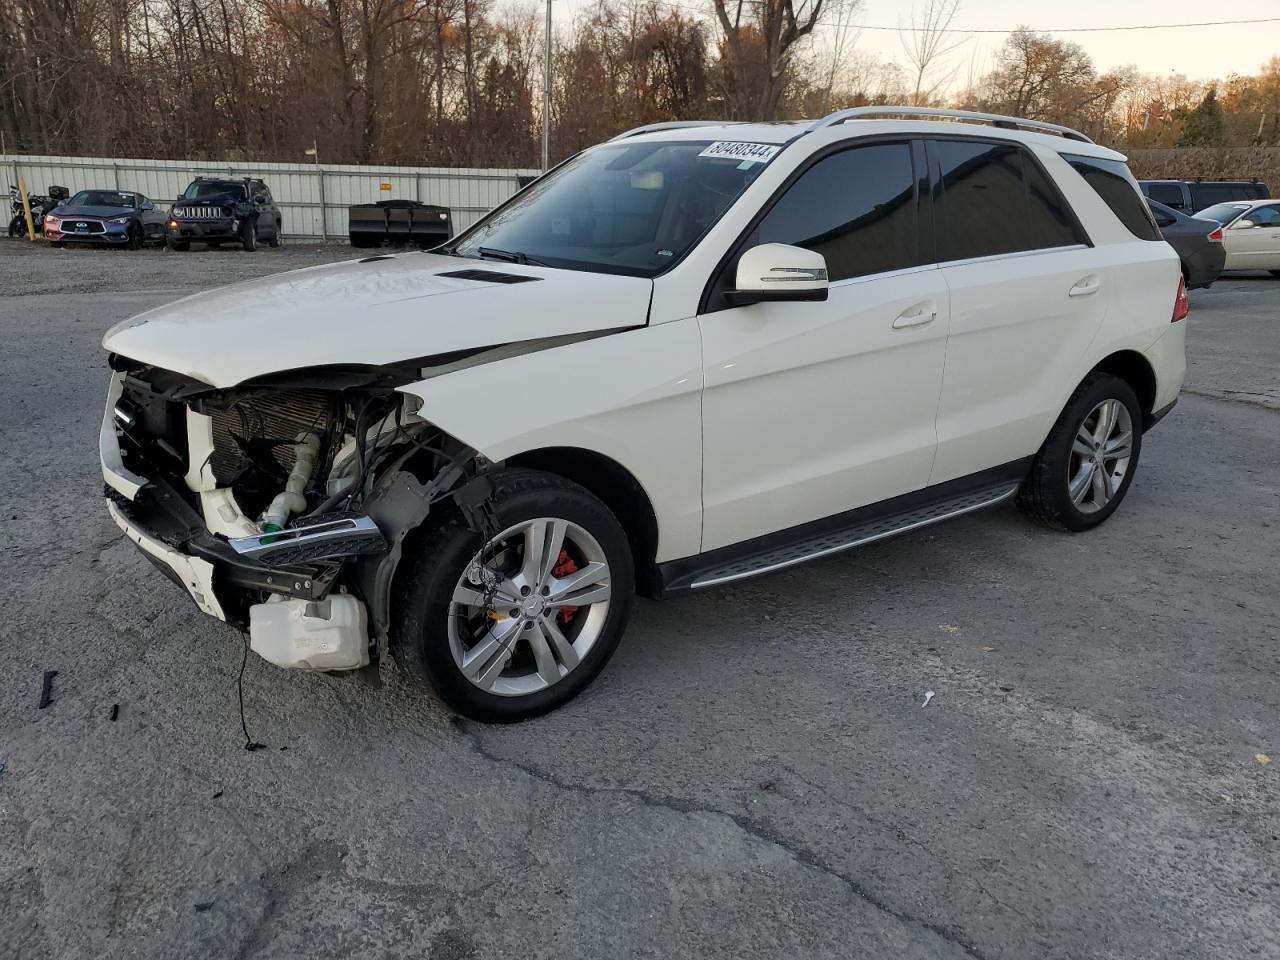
767,39
927,42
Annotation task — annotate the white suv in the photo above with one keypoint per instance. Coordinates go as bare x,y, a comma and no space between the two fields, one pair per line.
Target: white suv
693,354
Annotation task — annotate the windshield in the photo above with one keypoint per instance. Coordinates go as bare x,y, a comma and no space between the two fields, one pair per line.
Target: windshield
213,188
103,198
1223,213
625,208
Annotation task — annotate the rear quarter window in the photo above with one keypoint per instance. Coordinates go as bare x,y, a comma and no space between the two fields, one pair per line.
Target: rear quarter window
1112,181
993,199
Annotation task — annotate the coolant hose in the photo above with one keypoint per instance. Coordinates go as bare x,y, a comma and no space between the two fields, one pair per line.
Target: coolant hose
293,498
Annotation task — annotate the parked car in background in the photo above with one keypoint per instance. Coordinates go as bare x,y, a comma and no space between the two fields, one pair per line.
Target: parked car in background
115,217
1197,242
1190,196
1251,234
218,210
697,353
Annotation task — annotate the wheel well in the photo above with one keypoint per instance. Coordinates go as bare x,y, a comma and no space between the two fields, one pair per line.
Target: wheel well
617,488
1134,369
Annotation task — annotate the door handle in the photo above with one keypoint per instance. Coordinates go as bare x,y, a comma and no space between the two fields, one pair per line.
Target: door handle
916,316
1086,287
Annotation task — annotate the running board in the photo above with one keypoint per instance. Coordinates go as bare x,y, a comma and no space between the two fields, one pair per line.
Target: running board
866,525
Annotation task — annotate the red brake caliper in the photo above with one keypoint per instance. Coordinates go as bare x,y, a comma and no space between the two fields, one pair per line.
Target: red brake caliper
564,566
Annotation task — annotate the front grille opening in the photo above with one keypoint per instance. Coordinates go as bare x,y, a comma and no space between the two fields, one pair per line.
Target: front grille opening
259,420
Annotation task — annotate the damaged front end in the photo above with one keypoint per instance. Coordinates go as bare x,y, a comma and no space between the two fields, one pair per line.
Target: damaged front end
279,505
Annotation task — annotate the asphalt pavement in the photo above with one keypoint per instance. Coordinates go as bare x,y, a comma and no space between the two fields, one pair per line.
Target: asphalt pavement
754,774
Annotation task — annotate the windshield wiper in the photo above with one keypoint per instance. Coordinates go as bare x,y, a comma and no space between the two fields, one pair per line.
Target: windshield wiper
509,256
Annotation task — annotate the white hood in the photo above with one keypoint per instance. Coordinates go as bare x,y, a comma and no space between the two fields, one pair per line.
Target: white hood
384,311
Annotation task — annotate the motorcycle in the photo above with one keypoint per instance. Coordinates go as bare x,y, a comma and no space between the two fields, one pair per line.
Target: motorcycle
40,205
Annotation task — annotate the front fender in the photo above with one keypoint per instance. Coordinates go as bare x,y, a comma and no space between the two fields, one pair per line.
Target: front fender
633,396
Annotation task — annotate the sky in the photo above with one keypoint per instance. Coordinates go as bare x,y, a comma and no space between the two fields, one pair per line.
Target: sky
1199,52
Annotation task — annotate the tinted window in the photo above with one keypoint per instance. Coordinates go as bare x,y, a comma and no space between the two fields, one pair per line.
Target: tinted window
1113,182
1207,193
1265,216
993,199
857,208
1164,216
1169,194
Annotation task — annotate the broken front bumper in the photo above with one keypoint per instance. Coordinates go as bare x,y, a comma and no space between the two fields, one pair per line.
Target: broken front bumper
155,514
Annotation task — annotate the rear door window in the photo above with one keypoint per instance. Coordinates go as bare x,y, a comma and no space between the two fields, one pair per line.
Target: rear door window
1170,194
992,199
1112,181
858,208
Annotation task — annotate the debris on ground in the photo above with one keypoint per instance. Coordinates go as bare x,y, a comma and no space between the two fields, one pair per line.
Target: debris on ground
46,689
928,695
1262,758
115,711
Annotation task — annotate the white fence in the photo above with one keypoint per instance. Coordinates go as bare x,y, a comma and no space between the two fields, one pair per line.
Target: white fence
313,199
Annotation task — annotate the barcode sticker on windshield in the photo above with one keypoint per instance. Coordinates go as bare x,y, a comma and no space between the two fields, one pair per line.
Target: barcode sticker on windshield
746,152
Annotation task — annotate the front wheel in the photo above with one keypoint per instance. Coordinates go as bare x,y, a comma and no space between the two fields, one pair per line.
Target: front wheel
135,237
177,246
513,624
249,236
276,237
1087,462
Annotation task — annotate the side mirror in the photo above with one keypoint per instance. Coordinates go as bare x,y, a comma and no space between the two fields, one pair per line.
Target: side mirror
778,271
1243,224
148,205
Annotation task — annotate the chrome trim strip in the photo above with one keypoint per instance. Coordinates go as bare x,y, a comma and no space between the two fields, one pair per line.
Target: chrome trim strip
292,536
700,584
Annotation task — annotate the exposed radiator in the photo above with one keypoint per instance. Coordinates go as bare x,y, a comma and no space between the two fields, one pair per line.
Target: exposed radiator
281,416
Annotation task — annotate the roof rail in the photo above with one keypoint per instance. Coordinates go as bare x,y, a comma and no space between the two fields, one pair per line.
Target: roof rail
995,119
671,125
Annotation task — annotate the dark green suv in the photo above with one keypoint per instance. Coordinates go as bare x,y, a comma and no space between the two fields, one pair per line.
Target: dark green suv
216,210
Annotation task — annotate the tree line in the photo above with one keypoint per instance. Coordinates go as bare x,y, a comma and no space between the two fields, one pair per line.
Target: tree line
458,82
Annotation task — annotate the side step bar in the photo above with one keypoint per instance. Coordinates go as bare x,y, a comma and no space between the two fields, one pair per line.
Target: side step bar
825,537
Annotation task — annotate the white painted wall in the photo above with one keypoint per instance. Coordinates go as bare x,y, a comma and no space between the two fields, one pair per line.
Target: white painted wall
298,188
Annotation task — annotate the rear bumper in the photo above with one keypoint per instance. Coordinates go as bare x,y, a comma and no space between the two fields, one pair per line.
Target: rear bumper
1204,265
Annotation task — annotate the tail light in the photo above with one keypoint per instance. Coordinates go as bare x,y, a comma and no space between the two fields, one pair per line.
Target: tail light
1216,235
1180,305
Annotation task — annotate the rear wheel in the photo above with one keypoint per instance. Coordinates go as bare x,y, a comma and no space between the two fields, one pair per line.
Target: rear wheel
516,624
1087,462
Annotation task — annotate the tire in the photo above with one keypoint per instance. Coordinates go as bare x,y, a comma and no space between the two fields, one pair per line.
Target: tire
432,633
249,236
177,246
276,238
1275,273
1046,495
135,237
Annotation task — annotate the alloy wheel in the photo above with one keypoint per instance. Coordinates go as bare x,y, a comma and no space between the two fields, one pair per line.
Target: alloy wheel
529,607
1100,456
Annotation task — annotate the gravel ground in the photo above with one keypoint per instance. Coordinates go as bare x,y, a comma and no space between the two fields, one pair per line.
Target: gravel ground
752,776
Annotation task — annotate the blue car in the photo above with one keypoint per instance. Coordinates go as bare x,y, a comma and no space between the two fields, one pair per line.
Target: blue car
117,217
